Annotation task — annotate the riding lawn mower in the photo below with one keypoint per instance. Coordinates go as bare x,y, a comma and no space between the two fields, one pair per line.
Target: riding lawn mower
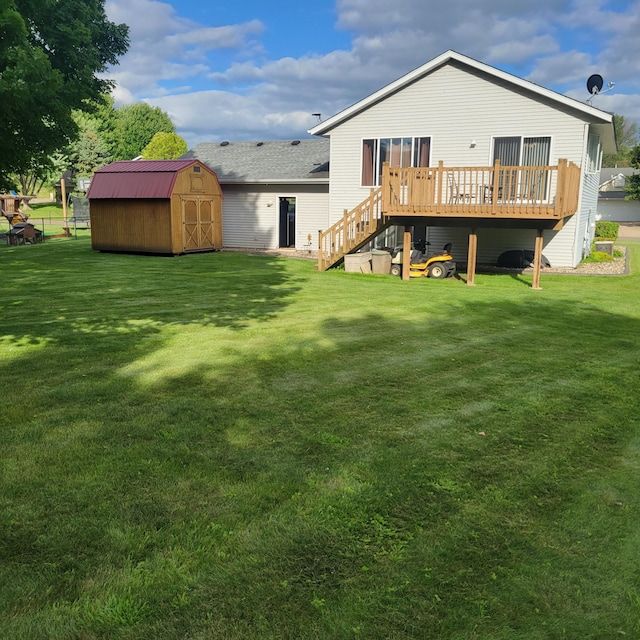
437,265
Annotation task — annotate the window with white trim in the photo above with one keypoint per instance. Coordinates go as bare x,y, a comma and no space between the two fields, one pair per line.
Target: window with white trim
594,153
398,152
532,154
517,151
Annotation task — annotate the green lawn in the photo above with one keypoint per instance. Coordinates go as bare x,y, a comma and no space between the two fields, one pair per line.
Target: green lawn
223,446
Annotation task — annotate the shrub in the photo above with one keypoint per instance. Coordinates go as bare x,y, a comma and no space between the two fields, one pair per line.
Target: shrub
598,256
607,230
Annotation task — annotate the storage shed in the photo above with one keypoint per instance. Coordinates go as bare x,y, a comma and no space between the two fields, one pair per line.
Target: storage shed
156,206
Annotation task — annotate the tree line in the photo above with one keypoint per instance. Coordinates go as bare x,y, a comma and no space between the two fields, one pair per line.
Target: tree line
57,113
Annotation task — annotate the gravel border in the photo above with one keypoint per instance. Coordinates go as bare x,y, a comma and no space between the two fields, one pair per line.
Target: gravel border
617,267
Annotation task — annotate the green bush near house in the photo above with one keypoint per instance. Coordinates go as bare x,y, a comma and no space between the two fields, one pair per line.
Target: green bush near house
607,230
598,256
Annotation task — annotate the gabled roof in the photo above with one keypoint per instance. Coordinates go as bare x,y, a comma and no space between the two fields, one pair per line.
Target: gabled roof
589,113
271,161
613,181
137,178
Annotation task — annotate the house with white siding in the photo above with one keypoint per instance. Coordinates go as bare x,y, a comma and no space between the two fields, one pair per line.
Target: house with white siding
459,151
276,192
612,203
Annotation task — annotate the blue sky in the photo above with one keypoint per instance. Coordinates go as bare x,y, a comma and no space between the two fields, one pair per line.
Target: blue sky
256,70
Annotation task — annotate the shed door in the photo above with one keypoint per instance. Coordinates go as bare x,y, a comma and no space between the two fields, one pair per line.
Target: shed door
198,224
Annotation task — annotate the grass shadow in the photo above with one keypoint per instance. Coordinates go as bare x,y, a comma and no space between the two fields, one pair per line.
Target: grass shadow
326,461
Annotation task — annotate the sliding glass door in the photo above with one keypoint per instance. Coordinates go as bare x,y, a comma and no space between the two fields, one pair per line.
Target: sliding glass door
532,154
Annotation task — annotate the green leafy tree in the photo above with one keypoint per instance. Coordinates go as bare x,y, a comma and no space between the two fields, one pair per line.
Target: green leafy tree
42,170
632,183
52,57
89,151
165,146
627,138
132,128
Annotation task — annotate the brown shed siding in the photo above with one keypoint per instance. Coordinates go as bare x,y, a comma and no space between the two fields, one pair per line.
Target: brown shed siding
156,211
131,225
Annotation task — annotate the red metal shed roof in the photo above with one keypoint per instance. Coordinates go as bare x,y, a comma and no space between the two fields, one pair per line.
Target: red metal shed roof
138,178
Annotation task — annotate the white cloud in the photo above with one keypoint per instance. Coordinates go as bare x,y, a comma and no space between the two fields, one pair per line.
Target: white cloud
222,115
557,43
571,67
165,46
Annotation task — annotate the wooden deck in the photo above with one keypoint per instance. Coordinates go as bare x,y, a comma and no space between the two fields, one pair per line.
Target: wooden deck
549,192
538,194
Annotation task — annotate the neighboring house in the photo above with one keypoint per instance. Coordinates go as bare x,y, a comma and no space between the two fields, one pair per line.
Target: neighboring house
276,192
441,128
611,198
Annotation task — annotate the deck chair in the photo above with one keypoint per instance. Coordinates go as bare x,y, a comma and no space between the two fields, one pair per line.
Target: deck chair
456,195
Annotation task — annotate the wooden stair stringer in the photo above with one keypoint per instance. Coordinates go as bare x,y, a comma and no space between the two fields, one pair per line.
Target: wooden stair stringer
354,230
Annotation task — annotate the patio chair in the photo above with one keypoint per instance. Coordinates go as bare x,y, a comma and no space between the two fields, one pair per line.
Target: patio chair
456,195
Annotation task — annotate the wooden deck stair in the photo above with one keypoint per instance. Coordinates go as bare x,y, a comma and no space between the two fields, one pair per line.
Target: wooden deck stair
355,229
539,196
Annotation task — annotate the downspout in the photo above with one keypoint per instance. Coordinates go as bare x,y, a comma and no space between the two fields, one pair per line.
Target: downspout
578,240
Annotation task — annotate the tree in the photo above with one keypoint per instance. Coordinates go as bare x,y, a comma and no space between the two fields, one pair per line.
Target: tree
52,55
88,152
133,127
626,138
165,146
42,170
632,183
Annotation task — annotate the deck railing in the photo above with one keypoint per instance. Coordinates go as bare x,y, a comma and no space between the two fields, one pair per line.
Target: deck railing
492,191
352,231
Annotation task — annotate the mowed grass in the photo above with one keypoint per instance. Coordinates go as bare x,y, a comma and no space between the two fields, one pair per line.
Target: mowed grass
234,446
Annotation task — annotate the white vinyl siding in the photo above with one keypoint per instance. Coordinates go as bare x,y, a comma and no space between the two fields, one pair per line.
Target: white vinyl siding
558,249
455,107
463,111
588,210
619,210
250,214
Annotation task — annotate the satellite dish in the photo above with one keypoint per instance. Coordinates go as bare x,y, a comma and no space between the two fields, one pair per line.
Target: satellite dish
594,84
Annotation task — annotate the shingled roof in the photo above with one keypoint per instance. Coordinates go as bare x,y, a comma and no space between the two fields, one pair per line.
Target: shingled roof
269,161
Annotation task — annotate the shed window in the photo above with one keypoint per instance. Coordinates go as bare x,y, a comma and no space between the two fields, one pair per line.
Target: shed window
398,152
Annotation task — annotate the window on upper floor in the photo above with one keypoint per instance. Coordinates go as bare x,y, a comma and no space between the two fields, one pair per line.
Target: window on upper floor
594,153
532,154
517,151
398,152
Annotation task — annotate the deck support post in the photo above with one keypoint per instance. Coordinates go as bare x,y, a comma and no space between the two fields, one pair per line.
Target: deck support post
406,253
537,260
472,257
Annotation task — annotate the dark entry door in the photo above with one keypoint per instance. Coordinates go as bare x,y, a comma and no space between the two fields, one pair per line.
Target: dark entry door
287,224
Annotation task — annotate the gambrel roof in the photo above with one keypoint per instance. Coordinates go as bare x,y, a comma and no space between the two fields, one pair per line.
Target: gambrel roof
600,120
138,179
